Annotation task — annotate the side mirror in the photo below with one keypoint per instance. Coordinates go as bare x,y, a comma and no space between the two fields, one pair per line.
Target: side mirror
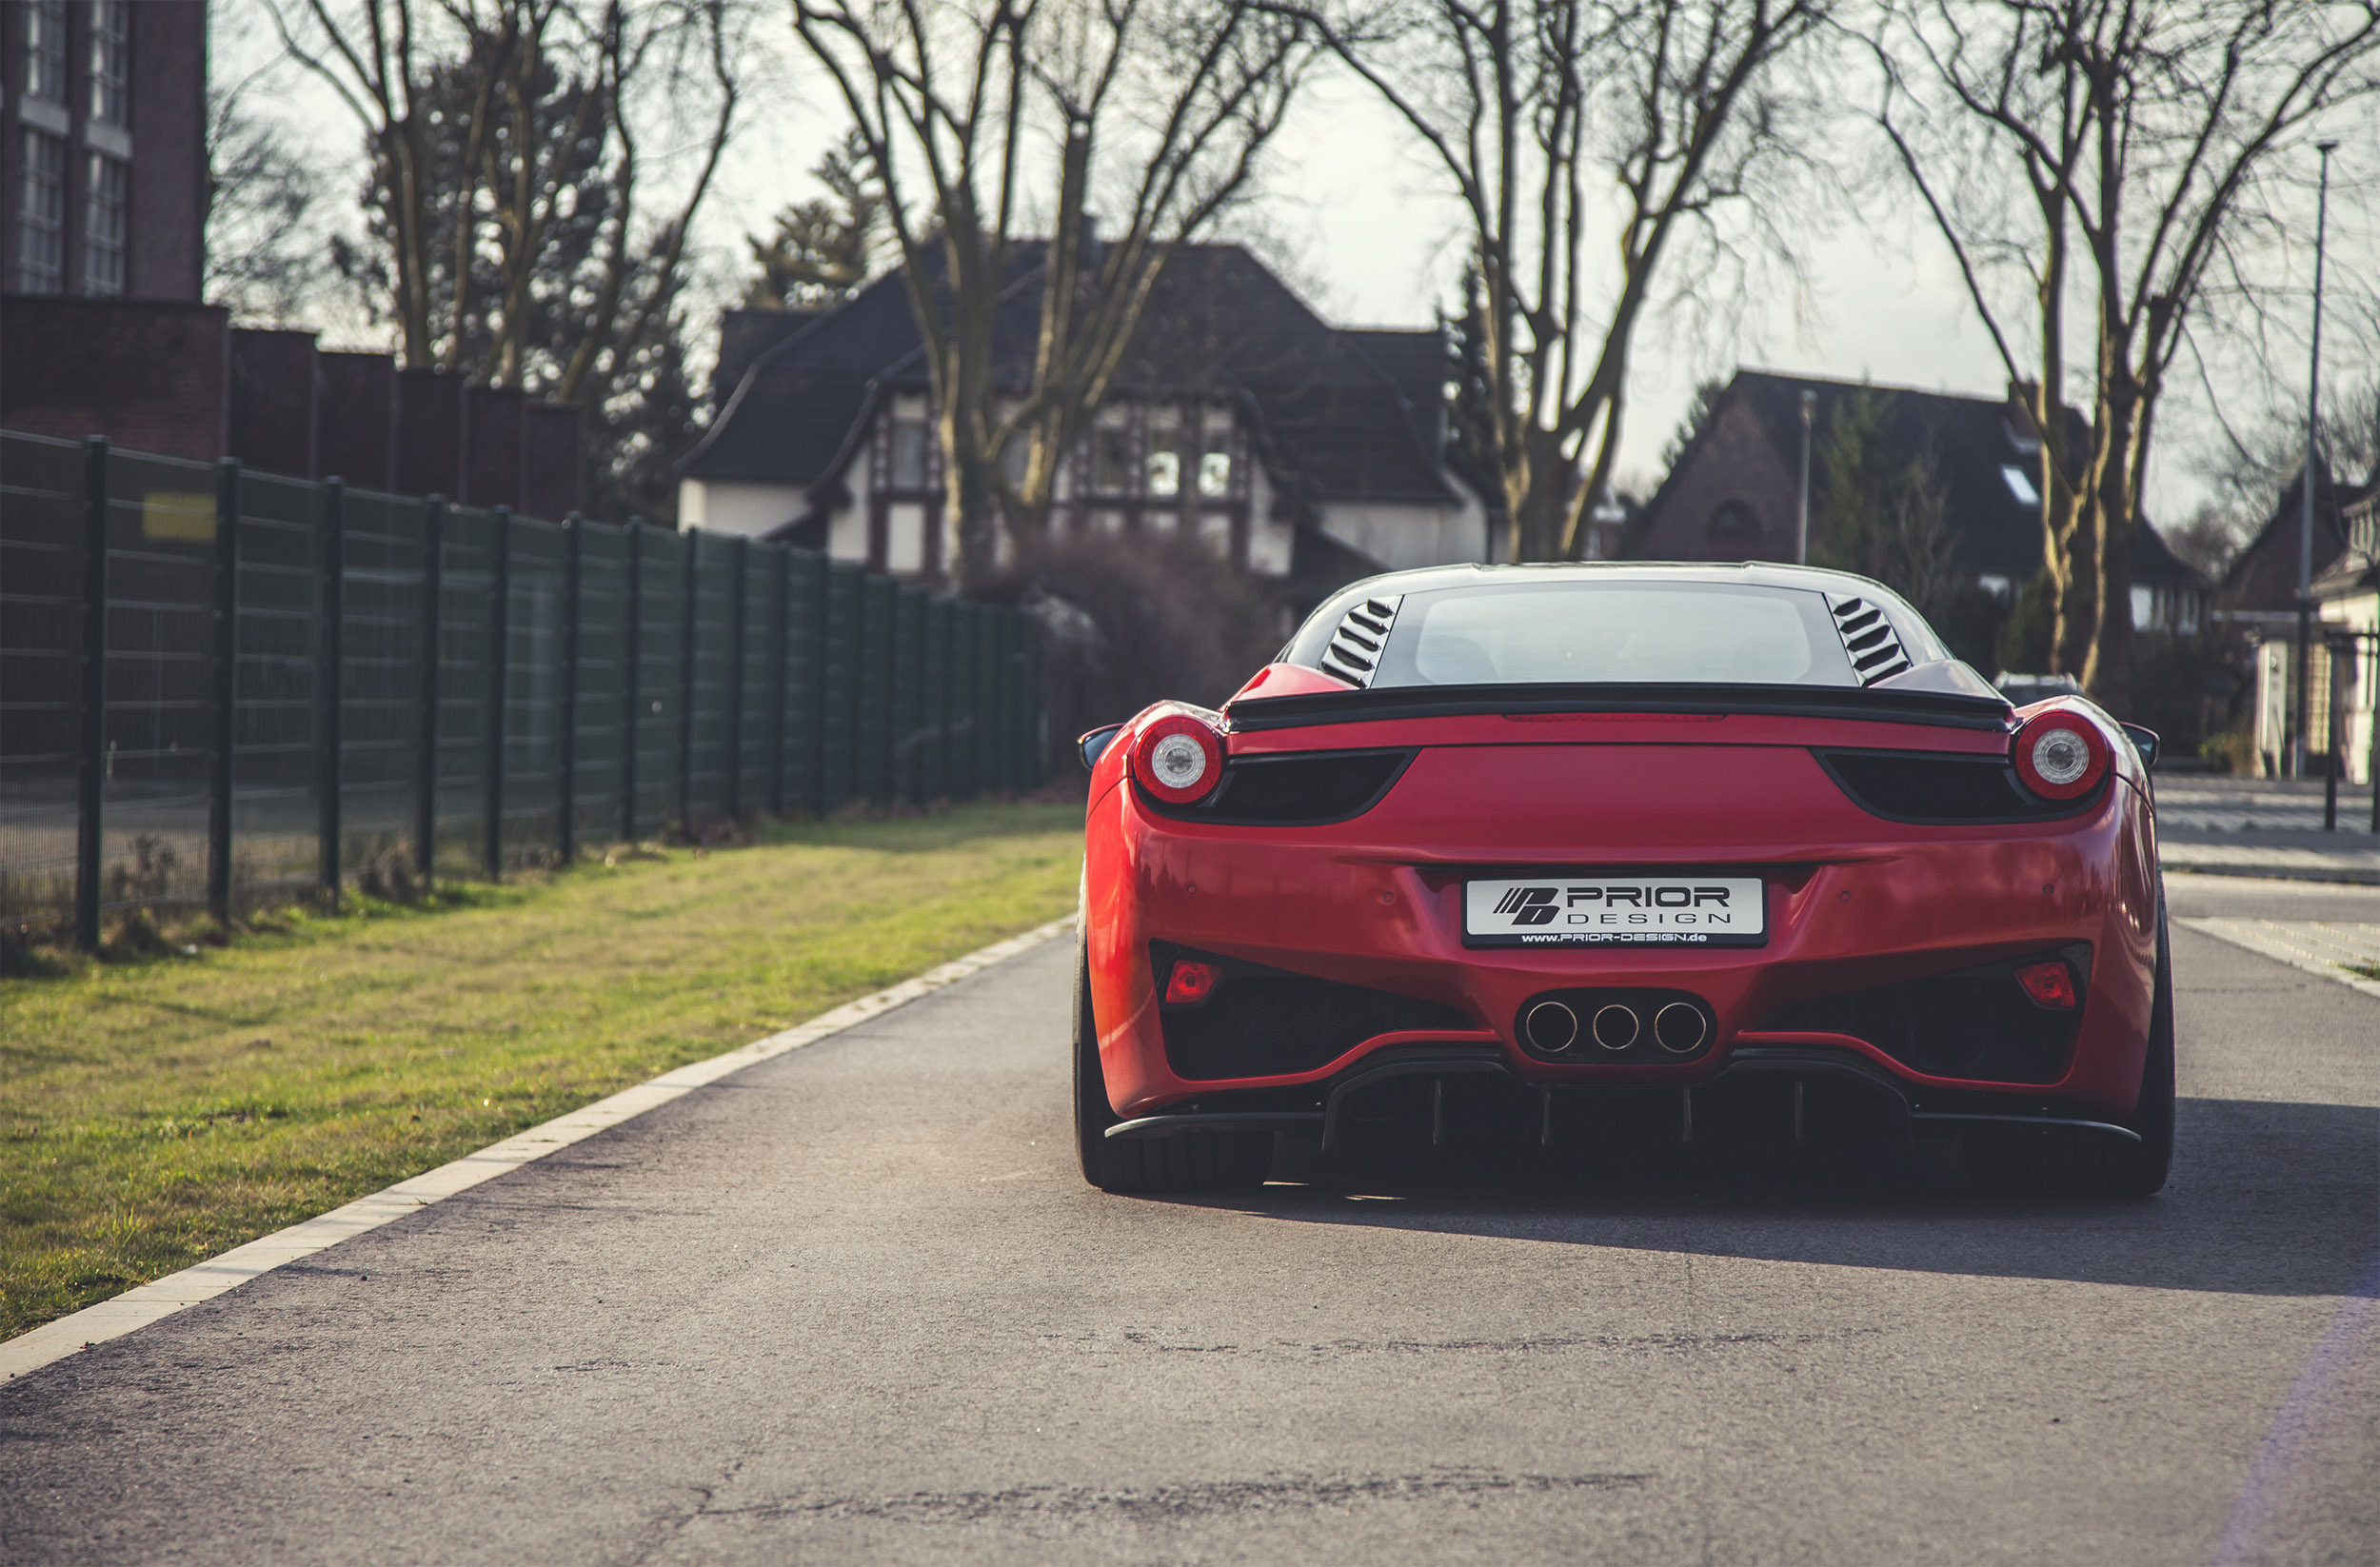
2144,741
1094,745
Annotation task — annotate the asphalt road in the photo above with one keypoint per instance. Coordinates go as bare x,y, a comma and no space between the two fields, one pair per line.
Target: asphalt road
855,1303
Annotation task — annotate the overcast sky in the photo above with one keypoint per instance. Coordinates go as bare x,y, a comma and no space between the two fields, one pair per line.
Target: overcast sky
1353,218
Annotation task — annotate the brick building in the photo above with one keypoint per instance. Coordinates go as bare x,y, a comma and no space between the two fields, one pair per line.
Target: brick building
103,326
105,159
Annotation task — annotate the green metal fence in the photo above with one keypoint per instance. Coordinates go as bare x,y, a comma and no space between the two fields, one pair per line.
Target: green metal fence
219,689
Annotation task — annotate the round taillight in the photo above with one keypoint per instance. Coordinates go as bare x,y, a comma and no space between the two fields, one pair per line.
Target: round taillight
2059,755
1180,760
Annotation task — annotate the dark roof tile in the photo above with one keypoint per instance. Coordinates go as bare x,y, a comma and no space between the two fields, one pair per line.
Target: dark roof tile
1971,444
1340,414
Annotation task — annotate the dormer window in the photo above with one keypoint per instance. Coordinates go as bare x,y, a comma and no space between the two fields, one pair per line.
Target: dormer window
2020,484
2020,442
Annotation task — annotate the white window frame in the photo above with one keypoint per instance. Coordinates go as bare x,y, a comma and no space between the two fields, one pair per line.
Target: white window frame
106,225
41,213
112,62
45,50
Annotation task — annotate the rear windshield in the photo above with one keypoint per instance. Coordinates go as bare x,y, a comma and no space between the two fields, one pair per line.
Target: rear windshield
1593,633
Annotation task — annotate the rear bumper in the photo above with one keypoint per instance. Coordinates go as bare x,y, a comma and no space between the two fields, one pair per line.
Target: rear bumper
1852,902
1327,1108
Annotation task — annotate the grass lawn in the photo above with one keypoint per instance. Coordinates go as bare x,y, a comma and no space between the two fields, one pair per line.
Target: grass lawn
152,1115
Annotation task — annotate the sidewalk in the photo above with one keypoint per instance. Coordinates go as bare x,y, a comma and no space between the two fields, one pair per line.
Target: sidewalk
2259,826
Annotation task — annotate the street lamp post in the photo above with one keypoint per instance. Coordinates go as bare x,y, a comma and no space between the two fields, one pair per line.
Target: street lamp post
2306,512
1801,525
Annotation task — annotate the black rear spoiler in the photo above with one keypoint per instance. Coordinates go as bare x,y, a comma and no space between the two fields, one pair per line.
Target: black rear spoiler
1875,705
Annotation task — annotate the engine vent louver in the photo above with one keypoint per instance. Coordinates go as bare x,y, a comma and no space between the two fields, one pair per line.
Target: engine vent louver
1867,637
1355,650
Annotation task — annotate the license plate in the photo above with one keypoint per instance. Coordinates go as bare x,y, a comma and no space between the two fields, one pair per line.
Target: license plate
1616,911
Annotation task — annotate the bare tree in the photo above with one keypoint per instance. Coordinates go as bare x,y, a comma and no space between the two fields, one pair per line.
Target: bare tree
1564,125
493,126
264,256
2148,144
1153,112
375,60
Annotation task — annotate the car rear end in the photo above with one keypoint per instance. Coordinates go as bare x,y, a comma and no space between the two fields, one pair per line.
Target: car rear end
1552,896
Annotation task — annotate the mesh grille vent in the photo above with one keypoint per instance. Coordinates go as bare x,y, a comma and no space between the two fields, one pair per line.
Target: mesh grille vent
1355,650
1867,637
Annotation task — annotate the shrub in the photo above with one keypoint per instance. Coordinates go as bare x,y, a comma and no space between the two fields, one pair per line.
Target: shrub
1128,619
2233,752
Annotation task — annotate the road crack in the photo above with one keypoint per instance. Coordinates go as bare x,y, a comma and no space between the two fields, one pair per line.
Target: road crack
1177,1503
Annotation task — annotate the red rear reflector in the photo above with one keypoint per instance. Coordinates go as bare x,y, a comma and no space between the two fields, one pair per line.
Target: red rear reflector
1191,983
2049,985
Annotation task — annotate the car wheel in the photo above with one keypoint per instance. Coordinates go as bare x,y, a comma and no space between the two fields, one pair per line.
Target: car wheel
2139,1170
2051,1163
1187,1161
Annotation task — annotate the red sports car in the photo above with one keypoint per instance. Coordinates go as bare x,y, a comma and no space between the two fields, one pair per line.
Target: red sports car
1540,855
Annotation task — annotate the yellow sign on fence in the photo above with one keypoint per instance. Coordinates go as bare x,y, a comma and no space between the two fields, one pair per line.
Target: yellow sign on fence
178,516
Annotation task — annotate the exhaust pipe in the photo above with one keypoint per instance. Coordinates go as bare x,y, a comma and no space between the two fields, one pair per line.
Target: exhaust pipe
1553,1028
1678,1028
1629,1025
1617,1026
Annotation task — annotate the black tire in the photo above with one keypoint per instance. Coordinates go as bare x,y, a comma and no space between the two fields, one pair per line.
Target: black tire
1187,1161
2140,1170
2046,1162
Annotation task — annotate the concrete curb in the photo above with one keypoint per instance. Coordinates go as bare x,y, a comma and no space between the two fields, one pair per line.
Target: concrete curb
2315,946
137,1308
2337,876
2357,868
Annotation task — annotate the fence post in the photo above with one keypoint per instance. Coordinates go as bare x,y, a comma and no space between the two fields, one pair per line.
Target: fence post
225,689
425,756
994,682
997,704
987,699
331,677
950,700
688,644
1036,715
891,748
2334,736
962,698
566,786
499,689
740,576
632,678
2371,768
972,662
1019,772
821,639
859,692
780,649
896,627
91,768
